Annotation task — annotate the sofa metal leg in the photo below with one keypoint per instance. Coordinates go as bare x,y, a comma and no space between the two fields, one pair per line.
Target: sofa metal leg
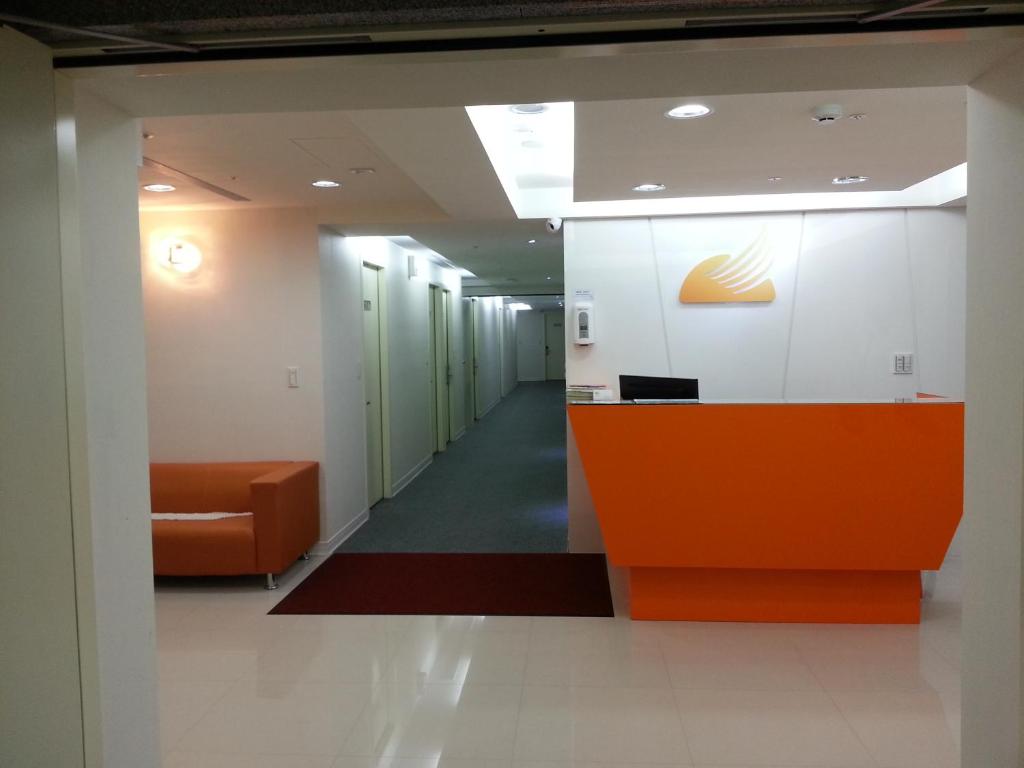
271,581
305,555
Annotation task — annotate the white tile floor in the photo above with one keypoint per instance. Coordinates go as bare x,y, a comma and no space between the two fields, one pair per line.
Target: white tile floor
240,689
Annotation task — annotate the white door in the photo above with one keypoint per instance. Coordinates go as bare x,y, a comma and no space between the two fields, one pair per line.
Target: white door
432,380
441,374
469,356
372,381
477,308
554,341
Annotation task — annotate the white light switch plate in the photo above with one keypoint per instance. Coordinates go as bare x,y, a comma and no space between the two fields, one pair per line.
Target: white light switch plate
293,376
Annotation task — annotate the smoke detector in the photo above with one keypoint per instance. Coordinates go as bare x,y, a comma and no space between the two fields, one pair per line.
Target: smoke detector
827,114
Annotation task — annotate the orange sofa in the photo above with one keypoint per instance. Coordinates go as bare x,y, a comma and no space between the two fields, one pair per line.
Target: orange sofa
281,497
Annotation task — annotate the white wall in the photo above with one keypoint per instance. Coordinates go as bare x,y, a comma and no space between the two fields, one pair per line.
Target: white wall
344,398
852,290
530,345
113,393
993,625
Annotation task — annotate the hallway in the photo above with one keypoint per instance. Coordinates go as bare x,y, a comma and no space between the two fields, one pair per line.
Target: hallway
500,488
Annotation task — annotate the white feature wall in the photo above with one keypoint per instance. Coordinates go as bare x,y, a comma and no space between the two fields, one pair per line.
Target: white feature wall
852,290
530,345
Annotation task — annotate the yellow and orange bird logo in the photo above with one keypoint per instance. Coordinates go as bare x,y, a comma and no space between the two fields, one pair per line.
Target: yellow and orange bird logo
726,279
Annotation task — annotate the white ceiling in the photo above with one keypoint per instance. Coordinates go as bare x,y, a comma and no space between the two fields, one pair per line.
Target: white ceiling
272,158
905,136
541,303
275,124
498,252
433,181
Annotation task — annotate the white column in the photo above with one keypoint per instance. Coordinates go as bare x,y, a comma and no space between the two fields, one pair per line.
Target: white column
41,720
994,491
106,388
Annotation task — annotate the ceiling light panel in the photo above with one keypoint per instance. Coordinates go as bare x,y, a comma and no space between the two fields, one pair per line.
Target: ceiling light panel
536,179
539,184
650,187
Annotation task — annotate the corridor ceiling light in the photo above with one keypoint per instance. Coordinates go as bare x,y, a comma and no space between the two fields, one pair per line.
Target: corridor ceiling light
325,184
531,242
362,171
159,188
649,188
849,179
518,306
688,111
528,109
548,277
774,178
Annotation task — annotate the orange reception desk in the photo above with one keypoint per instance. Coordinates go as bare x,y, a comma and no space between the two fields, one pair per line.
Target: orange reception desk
809,512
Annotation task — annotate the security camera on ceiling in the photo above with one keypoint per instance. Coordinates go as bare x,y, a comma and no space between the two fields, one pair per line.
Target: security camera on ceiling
552,225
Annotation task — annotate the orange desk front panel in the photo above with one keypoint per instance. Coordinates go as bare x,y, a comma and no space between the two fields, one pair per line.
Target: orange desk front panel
775,512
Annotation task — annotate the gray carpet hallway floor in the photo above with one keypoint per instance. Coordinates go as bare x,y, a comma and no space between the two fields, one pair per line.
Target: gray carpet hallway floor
499,488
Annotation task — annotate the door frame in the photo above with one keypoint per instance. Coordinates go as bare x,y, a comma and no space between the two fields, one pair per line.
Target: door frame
439,299
385,374
547,346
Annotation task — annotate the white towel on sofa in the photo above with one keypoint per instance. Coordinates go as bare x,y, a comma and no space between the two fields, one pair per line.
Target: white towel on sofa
197,515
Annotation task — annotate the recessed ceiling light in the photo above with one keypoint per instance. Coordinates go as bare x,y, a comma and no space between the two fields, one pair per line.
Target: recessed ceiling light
159,188
688,111
649,188
529,109
858,116
362,171
774,178
531,242
325,184
849,179
147,135
548,277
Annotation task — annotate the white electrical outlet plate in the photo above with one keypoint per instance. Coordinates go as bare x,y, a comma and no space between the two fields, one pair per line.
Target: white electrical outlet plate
903,364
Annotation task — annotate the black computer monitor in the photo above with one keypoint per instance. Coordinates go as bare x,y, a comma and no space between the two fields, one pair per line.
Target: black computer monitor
656,388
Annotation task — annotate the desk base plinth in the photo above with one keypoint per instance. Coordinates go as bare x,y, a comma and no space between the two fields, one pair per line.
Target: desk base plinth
726,594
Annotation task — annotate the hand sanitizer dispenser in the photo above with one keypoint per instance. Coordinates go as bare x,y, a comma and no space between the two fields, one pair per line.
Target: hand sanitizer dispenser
583,323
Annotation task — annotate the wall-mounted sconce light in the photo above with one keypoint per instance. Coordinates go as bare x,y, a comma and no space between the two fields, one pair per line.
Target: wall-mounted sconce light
180,256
